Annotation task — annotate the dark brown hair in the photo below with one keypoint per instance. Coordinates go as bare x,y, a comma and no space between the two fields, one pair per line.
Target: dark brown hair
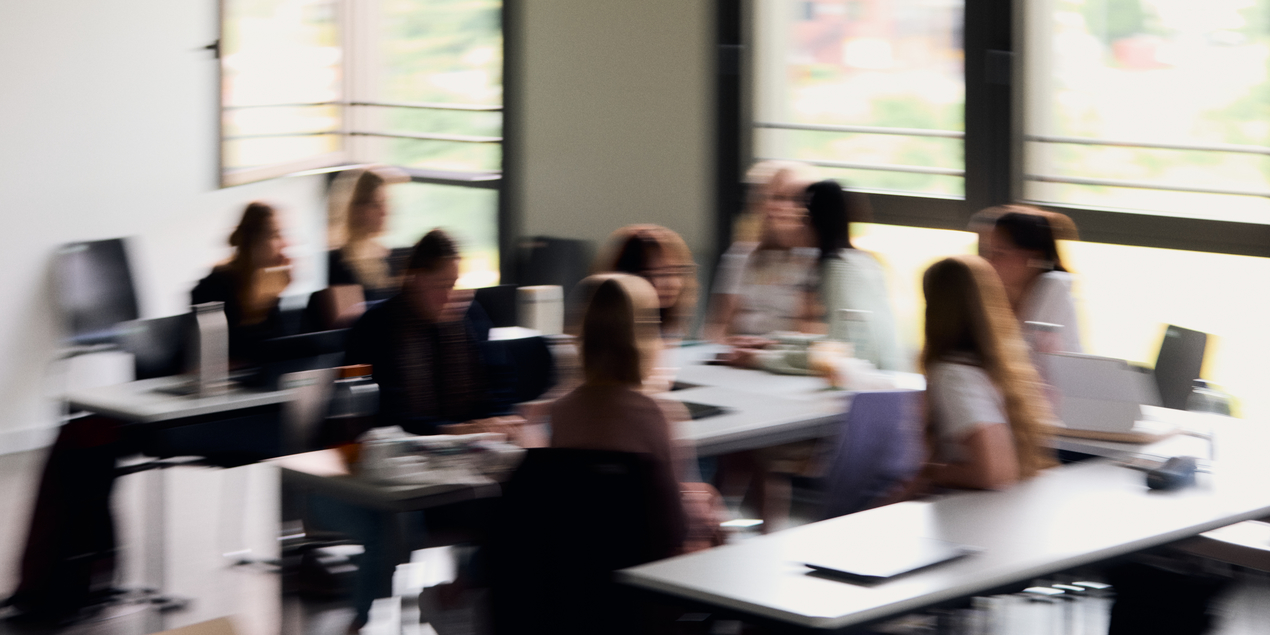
434,248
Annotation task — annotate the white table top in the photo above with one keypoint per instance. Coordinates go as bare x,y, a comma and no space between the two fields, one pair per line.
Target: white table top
1069,516
764,409
144,402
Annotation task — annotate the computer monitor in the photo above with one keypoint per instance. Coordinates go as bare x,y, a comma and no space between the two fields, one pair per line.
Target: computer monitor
94,290
1178,365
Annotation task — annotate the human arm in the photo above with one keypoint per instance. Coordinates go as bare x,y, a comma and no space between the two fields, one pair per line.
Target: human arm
989,461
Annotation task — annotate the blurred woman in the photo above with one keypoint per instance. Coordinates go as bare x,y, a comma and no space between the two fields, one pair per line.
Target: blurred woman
986,415
358,216
250,283
1023,250
850,279
764,277
661,257
610,410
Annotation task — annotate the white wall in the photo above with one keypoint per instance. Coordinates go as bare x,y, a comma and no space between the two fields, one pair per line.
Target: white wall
107,128
615,118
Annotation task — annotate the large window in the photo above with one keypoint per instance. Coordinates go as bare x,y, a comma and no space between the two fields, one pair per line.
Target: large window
1147,121
1156,106
871,91
314,84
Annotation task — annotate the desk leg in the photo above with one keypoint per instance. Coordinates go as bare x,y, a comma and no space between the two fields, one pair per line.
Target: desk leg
155,569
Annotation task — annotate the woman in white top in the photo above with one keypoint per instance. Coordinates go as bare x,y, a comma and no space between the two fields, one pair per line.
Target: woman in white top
1022,248
764,276
986,416
851,279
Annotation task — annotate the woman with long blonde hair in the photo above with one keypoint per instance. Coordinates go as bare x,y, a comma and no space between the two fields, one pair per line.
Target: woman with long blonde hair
987,416
358,216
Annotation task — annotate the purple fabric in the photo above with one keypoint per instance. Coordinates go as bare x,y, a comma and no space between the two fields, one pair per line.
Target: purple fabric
879,448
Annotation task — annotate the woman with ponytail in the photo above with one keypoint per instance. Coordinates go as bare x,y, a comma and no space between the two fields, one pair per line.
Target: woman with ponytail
250,282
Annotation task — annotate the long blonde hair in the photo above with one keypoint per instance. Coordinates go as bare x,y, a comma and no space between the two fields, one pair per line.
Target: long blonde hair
348,233
967,312
616,320
673,250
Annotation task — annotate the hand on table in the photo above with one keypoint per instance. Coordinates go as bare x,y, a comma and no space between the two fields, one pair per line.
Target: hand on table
512,426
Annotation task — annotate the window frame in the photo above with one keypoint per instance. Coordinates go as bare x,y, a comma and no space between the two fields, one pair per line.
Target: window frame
355,27
994,172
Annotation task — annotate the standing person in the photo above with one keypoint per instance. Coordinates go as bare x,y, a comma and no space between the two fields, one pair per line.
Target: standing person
764,277
358,216
986,411
1023,250
250,283
850,278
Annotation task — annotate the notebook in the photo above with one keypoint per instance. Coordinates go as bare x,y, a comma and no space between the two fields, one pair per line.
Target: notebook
898,555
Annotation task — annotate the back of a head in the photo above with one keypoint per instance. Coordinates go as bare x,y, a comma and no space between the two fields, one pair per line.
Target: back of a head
253,228
617,324
1032,232
432,251
829,214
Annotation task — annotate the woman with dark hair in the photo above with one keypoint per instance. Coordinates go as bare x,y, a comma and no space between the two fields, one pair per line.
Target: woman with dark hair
851,280
1023,249
986,413
250,283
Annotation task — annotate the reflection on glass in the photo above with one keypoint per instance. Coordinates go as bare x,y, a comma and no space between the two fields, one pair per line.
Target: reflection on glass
885,63
1155,71
275,54
470,215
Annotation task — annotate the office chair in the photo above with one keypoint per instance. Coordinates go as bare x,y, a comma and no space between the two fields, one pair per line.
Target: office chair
1178,365
93,288
567,520
556,261
879,449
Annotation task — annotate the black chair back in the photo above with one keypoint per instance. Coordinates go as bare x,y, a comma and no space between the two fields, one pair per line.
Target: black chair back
548,260
94,289
1178,365
568,519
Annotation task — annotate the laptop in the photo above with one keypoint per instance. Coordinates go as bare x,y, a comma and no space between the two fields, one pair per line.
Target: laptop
1101,395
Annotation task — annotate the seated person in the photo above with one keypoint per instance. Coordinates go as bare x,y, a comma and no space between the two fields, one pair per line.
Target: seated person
70,557
765,275
250,283
1023,249
425,347
610,410
986,410
358,216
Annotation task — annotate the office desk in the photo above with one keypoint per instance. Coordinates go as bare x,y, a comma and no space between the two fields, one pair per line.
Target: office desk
1069,516
145,402
325,472
761,409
